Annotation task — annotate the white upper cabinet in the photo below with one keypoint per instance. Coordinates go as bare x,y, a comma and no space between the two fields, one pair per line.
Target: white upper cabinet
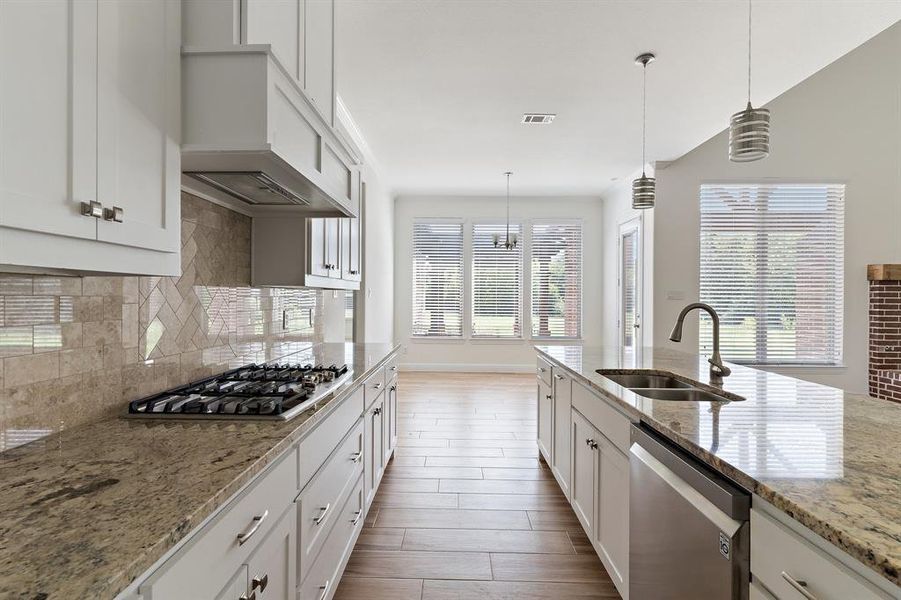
138,120
320,56
89,113
279,23
48,121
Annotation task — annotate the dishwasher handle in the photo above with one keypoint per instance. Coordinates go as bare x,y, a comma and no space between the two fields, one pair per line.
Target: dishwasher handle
719,490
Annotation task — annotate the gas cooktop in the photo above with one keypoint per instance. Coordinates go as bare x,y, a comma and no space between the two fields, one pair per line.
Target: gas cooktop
265,392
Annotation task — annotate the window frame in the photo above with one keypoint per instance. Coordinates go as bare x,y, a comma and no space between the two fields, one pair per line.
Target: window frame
463,274
840,288
526,226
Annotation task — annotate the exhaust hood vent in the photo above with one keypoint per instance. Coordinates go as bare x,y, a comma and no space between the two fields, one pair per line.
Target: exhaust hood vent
252,187
538,118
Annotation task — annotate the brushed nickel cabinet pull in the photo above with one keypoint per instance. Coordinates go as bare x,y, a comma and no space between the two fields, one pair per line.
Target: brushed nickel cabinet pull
254,526
92,209
356,519
318,520
324,589
799,585
357,457
114,214
260,582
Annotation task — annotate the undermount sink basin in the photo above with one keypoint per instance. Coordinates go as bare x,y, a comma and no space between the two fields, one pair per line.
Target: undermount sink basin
664,387
643,380
683,394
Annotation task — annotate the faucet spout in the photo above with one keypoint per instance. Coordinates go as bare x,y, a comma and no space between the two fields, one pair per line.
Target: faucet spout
717,369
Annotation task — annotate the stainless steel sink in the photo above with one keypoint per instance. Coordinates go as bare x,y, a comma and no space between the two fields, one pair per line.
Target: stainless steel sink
685,395
643,380
664,387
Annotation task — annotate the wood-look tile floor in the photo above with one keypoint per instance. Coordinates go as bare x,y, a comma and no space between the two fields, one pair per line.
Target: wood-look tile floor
466,509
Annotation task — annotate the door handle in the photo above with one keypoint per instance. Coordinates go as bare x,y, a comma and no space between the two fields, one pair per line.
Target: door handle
799,584
92,209
114,214
254,526
318,520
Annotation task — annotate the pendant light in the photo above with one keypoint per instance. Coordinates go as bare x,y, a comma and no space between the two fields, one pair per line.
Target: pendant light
749,130
644,189
510,241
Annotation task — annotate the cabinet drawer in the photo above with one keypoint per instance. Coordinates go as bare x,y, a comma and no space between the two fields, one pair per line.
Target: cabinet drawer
321,500
215,551
609,421
391,369
544,371
779,554
322,579
373,386
316,447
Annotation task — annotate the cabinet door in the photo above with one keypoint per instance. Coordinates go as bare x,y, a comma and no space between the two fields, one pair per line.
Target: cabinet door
344,250
545,420
333,246
317,255
319,56
392,422
272,566
138,122
584,468
48,124
236,588
278,23
387,418
613,512
372,465
562,424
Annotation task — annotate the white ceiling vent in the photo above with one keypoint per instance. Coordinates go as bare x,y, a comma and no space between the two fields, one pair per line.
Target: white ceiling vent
538,118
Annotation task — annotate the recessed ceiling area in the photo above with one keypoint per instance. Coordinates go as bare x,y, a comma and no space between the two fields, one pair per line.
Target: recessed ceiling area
438,88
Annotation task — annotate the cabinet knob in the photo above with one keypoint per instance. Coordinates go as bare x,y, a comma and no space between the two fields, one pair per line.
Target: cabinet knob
549,397
92,209
114,214
591,444
252,596
260,582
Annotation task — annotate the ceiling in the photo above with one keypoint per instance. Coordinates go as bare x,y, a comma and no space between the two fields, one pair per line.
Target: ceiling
438,87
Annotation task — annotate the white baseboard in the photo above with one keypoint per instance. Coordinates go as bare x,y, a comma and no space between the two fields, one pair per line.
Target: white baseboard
467,368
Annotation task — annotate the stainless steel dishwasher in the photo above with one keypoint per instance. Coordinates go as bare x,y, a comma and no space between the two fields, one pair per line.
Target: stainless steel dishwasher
688,526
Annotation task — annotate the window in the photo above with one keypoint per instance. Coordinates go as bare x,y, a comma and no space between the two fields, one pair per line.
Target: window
496,282
437,279
772,266
556,260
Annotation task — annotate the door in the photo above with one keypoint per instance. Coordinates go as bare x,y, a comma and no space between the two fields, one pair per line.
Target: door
318,247
613,512
630,288
272,566
319,28
545,420
138,123
333,246
584,467
48,124
236,587
563,390
373,465
389,420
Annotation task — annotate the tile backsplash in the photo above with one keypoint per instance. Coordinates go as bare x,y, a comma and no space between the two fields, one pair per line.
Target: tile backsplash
74,349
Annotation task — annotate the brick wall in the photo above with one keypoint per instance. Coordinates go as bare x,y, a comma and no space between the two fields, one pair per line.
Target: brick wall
885,339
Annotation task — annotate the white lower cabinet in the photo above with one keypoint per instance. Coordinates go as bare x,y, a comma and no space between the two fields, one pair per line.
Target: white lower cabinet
545,420
592,470
273,543
562,407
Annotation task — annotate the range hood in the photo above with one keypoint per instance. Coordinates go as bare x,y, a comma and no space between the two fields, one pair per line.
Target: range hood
252,139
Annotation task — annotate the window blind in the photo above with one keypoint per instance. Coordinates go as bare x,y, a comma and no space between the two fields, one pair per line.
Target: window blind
496,282
772,265
556,268
437,279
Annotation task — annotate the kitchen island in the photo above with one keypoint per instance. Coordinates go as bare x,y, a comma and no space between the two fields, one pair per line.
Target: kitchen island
86,512
825,458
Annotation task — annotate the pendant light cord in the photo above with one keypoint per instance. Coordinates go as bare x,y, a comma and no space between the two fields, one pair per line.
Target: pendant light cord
644,113
749,52
508,207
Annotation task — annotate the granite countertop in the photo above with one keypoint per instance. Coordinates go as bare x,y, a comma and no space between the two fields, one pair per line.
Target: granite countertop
86,511
827,458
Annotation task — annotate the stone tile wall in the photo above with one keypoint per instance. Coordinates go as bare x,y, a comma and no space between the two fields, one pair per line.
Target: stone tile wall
74,349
